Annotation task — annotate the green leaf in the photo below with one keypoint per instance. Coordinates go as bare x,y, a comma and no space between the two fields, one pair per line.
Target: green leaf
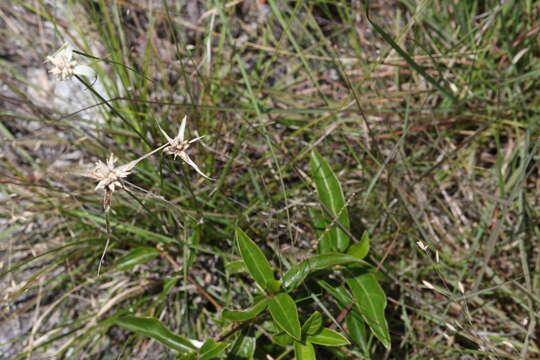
370,301
256,262
211,349
313,324
156,330
345,300
319,220
304,351
361,248
328,337
243,315
235,267
282,339
243,348
331,195
339,293
298,273
136,256
283,310
357,329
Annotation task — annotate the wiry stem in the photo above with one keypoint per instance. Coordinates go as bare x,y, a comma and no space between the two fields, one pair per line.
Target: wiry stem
108,226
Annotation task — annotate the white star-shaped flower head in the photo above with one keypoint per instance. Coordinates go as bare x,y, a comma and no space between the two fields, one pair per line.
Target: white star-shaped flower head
178,147
64,66
109,177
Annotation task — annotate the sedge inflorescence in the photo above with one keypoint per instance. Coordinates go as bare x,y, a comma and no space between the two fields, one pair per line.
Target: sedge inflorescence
64,66
178,147
109,176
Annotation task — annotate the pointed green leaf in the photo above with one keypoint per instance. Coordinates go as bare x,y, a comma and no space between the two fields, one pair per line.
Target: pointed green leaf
304,352
345,300
361,248
370,301
328,337
156,330
313,324
243,315
283,310
331,195
298,273
339,293
235,267
357,329
136,256
211,349
255,261
282,339
321,224
243,348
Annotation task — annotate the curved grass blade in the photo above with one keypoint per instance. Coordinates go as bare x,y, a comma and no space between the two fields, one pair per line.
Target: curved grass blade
447,92
136,256
331,196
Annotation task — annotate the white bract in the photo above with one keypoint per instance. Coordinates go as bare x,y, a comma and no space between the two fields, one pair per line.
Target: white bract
178,147
64,66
